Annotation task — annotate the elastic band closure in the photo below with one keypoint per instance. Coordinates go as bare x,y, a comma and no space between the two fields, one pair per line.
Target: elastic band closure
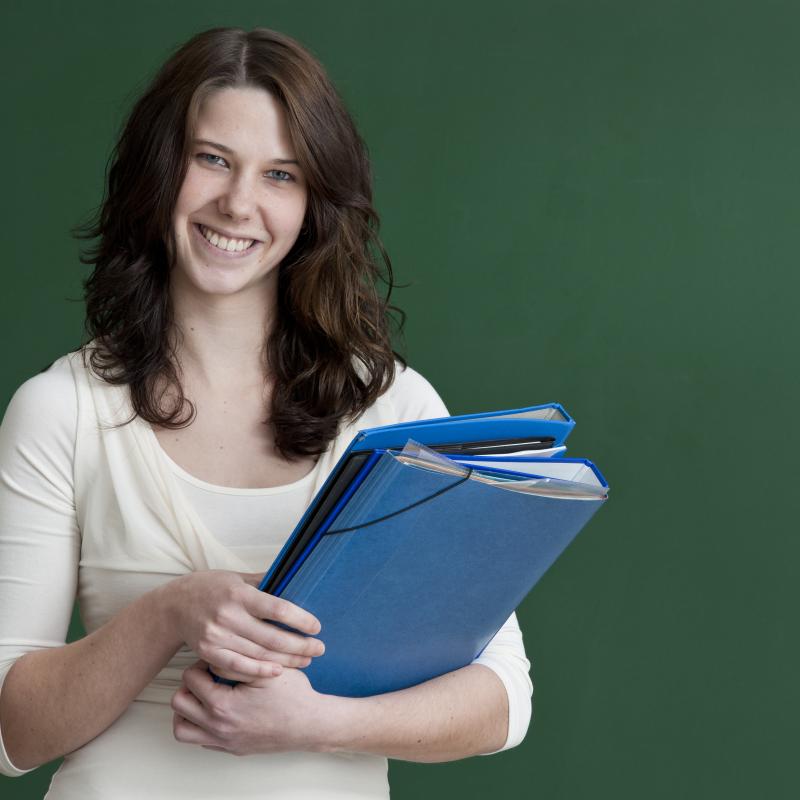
403,510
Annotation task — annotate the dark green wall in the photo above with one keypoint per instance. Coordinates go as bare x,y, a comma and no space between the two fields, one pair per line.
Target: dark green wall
594,203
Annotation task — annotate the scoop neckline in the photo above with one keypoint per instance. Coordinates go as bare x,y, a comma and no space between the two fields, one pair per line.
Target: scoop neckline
213,487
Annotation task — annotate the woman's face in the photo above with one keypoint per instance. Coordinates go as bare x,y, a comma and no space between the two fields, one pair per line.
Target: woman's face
242,190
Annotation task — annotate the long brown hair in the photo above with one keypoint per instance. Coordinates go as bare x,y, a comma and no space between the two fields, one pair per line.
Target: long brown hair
329,353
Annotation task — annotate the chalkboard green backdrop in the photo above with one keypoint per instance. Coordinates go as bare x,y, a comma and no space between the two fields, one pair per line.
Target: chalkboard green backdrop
591,202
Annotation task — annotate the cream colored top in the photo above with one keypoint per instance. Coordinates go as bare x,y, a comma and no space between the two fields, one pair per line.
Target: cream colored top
105,514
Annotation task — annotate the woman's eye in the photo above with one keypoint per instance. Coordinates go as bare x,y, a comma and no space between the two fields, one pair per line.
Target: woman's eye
209,158
206,156
285,176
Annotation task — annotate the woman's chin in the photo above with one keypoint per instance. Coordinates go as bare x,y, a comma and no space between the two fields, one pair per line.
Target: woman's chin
211,282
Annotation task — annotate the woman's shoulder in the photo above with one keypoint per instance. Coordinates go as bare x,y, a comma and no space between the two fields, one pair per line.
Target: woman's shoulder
409,397
44,407
412,396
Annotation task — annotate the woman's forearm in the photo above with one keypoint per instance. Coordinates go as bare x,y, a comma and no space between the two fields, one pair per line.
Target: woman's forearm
460,714
54,701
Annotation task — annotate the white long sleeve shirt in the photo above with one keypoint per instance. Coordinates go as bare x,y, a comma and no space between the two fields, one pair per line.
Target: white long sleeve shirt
104,515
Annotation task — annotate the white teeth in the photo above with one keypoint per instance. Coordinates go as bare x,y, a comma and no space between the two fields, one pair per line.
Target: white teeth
223,243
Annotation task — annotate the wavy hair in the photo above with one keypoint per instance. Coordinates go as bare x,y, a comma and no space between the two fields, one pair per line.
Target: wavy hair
329,353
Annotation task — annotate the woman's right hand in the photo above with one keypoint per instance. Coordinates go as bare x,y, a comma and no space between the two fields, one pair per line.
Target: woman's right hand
227,622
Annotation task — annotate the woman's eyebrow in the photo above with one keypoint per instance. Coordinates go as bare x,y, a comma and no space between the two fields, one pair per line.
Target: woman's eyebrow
224,149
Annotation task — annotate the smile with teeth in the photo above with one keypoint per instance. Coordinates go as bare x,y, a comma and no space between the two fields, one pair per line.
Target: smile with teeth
223,243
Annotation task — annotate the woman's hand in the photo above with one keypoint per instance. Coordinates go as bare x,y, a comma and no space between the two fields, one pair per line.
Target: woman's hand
226,621
268,715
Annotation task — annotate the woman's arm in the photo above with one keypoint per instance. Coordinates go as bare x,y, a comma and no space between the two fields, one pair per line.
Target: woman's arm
55,701
460,714
57,697
479,709
456,715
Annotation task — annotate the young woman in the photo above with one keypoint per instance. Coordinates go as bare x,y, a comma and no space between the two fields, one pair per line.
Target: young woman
236,342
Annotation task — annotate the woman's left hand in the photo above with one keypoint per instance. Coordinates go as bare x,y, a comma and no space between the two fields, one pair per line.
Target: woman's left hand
268,715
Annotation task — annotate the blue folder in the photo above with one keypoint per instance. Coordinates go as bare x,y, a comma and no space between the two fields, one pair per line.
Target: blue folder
503,431
413,570
549,420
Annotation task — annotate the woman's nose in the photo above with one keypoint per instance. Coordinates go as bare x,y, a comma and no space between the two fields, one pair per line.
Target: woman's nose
238,200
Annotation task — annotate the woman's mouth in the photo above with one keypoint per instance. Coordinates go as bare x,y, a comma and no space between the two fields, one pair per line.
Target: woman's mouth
224,247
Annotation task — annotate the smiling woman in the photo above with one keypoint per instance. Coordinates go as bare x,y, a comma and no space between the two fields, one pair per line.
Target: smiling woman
263,102
234,220
236,341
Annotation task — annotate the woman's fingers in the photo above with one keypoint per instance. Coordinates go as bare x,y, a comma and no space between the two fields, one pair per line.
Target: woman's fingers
253,578
186,705
268,607
261,652
187,732
237,667
201,684
260,641
191,720
276,640
252,634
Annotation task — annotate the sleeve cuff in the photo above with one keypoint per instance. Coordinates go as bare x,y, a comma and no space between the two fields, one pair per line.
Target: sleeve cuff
505,656
6,767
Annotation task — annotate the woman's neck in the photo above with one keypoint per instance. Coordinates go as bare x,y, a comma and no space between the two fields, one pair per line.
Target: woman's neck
220,342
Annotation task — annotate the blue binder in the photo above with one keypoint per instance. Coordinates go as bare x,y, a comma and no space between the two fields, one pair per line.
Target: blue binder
503,431
414,570
550,420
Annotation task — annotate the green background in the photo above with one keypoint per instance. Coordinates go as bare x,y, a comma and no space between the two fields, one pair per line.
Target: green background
594,203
